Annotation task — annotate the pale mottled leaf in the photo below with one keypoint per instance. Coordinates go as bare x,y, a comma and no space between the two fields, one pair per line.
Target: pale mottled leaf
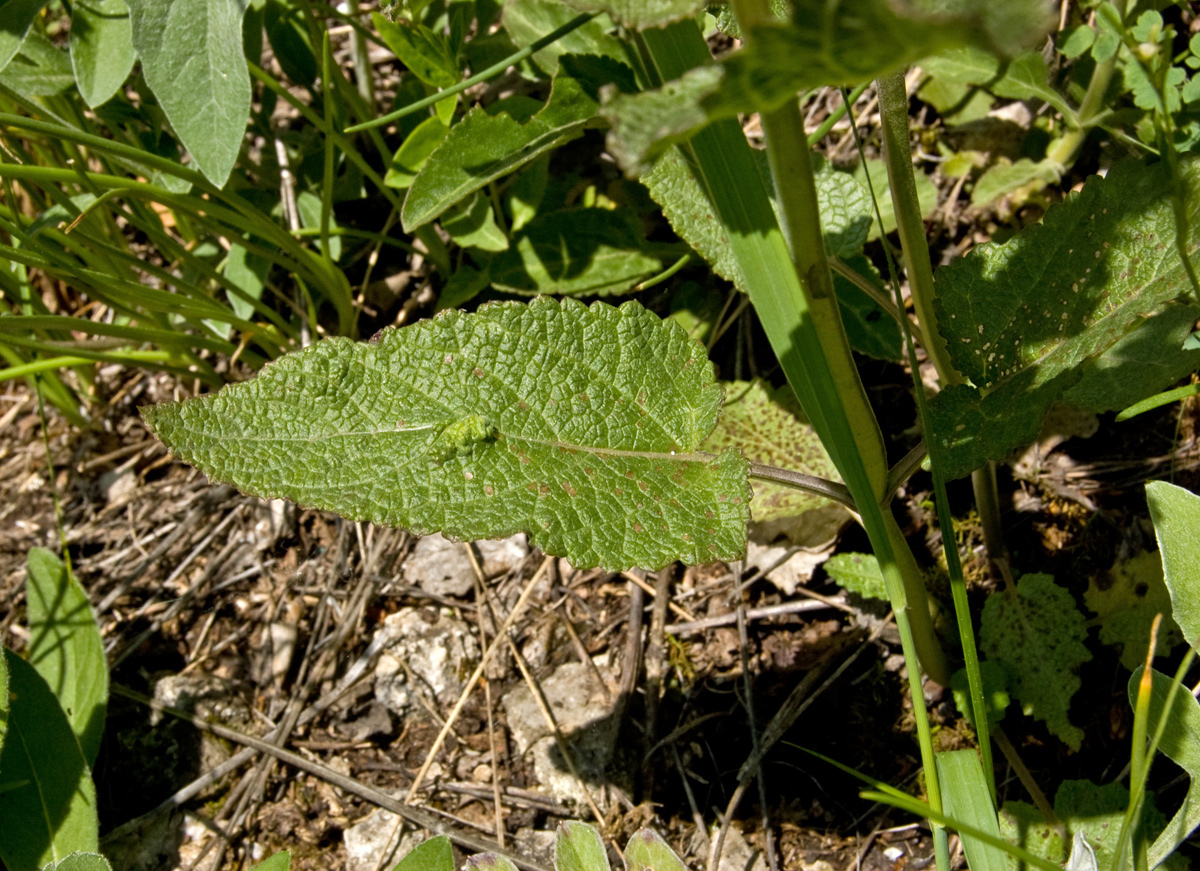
1036,632
577,425
1176,516
767,426
1022,318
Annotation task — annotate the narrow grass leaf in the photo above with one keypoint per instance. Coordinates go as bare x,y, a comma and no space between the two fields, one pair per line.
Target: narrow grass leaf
967,797
1181,742
101,45
191,53
578,425
436,854
1176,516
1026,320
53,813
482,147
577,847
65,646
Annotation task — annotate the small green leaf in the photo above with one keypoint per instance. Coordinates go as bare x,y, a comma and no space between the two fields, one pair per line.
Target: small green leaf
1021,318
647,851
968,65
191,53
436,854
101,42
414,151
859,573
1027,77
1005,178
527,21
82,862
1074,41
768,426
40,69
576,251
1181,742
483,147
308,205
65,646
53,812
249,272
577,847
472,224
1036,632
488,862
288,34
281,861
967,799
17,16
1026,826
426,54
593,415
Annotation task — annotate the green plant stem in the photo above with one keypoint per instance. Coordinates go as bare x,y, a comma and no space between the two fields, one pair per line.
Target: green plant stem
1062,151
837,114
893,107
494,70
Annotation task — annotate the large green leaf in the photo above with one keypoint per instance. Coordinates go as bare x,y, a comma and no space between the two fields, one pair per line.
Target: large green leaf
40,69
575,424
482,147
1035,631
576,251
1181,742
65,646
101,42
16,17
1022,319
191,53
1176,516
768,426
53,812
827,42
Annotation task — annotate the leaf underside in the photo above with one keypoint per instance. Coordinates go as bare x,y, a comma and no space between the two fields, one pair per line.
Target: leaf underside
573,424
1038,317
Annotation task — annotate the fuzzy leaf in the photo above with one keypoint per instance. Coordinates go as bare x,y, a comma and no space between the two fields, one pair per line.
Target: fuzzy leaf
575,424
101,42
1024,825
859,573
52,813
1125,601
191,53
483,147
647,851
578,847
1176,516
1036,633
1181,742
65,646
858,40
1020,319
768,426
87,862
1096,812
